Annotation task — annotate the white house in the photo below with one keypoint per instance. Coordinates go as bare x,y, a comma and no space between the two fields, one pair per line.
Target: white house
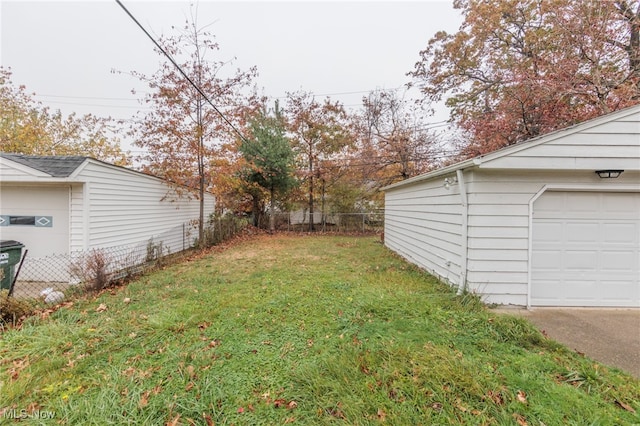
58,205
553,221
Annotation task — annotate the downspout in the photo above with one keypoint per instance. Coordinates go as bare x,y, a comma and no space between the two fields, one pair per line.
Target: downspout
530,242
462,285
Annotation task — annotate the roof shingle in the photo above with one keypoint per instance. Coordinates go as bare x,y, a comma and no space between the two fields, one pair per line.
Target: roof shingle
56,166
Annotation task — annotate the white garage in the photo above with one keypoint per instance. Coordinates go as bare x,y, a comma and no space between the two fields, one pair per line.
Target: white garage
554,221
62,208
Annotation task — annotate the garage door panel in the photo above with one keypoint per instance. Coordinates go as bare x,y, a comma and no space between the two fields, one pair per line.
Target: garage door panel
548,232
618,261
585,249
626,233
581,261
547,260
579,232
578,205
576,292
619,290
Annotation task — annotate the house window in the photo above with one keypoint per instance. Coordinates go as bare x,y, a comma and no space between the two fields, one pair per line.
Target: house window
22,220
37,221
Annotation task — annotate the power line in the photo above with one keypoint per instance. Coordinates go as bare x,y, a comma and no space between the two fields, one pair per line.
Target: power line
86,97
96,105
175,64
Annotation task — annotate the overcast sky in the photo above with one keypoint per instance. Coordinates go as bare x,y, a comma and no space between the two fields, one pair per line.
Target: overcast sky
65,51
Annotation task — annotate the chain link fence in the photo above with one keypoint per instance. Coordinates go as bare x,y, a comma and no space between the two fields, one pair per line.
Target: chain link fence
59,276
372,222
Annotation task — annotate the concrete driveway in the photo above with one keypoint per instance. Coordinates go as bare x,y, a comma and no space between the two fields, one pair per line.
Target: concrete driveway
610,336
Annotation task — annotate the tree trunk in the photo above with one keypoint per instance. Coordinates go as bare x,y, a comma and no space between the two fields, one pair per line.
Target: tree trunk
272,212
201,176
311,227
256,211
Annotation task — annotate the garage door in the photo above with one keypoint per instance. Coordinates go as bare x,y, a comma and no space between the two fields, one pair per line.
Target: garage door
46,213
586,249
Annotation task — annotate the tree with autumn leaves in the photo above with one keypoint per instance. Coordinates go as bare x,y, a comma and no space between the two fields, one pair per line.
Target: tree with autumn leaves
517,69
26,127
188,140
320,133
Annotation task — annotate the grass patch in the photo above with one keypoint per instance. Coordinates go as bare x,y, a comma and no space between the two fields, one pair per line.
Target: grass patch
311,330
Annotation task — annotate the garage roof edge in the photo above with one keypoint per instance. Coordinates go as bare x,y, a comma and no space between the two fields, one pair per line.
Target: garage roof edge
503,152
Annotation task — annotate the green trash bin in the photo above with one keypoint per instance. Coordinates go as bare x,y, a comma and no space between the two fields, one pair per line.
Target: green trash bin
10,255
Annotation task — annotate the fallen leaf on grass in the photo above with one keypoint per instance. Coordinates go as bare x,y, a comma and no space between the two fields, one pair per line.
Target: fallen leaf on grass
101,308
520,419
381,415
175,421
189,386
522,397
18,366
191,371
144,399
291,405
496,397
335,412
208,419
625,406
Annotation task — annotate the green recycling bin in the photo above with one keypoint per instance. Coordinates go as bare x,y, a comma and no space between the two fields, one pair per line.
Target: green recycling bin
10,254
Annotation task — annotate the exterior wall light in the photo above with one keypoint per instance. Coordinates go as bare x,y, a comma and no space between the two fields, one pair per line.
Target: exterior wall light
449,181
609,174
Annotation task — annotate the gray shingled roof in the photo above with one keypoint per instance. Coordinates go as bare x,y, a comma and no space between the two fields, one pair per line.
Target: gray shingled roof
56,166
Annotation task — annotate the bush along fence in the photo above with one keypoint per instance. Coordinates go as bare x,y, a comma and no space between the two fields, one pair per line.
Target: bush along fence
58,277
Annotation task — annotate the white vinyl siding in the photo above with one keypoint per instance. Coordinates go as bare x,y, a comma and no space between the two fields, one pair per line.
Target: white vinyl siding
77,228
608,145
423,224
128,208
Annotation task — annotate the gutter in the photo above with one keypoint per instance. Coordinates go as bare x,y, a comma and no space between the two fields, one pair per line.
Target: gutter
439,172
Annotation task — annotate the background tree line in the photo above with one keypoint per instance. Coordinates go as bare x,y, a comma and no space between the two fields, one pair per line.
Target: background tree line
516,69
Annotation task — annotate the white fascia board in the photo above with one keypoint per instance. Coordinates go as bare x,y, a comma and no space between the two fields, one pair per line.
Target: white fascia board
439,172
21,167
39,180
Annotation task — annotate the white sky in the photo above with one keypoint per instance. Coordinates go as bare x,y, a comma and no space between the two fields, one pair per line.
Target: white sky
64,51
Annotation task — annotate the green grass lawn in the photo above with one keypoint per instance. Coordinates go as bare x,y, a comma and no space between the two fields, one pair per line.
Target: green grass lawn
299,329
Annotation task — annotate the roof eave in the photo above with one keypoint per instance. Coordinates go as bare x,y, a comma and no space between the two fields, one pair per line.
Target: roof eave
474,162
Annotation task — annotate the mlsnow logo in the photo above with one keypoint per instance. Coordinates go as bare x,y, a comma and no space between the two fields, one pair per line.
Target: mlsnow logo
24,414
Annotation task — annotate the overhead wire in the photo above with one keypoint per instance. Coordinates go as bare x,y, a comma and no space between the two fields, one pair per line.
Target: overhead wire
175,64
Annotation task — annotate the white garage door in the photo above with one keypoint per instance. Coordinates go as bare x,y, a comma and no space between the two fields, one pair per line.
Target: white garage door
50,203
586,249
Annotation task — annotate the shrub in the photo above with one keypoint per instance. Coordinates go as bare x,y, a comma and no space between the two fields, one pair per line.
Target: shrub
92,269
11,310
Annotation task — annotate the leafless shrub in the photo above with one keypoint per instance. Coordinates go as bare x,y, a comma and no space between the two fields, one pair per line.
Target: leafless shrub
91,268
